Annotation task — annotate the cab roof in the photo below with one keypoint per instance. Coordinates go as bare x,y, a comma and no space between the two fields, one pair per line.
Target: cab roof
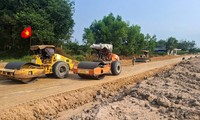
145,51
36,47
102,46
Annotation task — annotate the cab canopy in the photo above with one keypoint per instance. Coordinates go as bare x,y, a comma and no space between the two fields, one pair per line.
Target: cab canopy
41,47
45,50
102,46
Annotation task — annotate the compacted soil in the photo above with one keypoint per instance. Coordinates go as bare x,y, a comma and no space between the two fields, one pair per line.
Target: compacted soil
134,94
172,94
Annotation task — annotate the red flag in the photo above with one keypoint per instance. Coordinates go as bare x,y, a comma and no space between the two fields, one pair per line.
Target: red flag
26,33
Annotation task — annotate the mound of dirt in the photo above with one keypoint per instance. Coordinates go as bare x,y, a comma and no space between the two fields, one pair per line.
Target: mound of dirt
174,94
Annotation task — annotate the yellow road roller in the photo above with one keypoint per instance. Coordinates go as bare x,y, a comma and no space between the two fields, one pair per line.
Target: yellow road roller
44,62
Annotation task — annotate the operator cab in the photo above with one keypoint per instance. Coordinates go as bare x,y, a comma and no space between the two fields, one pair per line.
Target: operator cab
104,51
145,54
44,51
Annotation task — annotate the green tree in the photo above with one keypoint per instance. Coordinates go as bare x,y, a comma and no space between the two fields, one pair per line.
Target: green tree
150,43
161,44
186,45
126,39
51,22
74,48
171,44
194,50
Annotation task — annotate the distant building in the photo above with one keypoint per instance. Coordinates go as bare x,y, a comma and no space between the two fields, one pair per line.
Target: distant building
160,50
175,51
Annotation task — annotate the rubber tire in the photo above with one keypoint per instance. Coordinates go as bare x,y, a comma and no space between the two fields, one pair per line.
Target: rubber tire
116,68
56,69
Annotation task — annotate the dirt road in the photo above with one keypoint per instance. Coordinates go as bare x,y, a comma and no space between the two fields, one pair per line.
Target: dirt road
14,93
170,95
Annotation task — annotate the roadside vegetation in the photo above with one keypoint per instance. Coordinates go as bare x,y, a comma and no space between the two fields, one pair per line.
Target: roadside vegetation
22,59
52,23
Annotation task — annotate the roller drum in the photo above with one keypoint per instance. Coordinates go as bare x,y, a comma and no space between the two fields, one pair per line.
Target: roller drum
18,65
90,65
91,76
15,65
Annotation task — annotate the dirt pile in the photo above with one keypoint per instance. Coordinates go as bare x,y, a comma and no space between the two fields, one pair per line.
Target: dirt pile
174,94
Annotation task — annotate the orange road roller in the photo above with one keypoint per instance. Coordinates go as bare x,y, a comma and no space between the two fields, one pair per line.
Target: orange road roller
106,63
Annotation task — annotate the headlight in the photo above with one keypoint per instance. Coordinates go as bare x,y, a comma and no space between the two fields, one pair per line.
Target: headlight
33,61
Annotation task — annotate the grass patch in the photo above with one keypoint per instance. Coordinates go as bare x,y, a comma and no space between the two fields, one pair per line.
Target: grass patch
22,59
182,52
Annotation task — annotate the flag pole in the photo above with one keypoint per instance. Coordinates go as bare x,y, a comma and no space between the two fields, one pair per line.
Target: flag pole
30,41
29,45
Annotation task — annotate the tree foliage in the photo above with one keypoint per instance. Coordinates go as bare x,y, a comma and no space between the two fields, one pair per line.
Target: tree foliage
194,50
161,44
186,45
151,42
51,22
126,39
171,44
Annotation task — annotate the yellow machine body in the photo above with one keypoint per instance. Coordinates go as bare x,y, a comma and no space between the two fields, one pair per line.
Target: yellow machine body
44,62
47,64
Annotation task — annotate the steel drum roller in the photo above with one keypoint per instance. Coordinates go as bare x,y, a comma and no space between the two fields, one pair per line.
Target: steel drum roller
15,65
89,65
19,66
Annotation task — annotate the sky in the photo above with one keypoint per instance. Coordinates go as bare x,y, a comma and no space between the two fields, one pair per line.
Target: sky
164,18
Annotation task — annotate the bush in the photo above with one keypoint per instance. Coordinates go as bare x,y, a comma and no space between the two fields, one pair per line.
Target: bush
194,50
79,57
62,52
159,54
182,52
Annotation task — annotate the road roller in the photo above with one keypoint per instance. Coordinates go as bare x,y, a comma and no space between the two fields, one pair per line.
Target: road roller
44,62
144,57
106,63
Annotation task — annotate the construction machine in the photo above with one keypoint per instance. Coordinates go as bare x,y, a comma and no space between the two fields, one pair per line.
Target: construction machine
44,62
106,63
144,57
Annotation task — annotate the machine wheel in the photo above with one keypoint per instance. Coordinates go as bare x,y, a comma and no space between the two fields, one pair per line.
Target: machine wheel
60,69
116,68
